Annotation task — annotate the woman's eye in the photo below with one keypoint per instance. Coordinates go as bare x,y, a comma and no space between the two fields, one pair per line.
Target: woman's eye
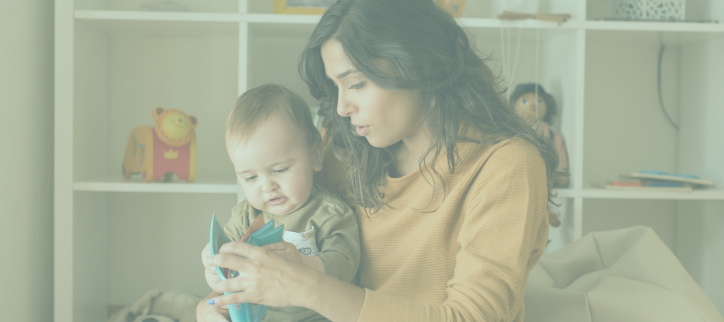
281,170
357,86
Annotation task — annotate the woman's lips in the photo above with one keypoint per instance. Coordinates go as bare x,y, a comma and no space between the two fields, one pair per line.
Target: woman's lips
362,130
277,201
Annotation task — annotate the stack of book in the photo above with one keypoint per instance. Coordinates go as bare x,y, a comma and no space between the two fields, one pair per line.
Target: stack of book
659,181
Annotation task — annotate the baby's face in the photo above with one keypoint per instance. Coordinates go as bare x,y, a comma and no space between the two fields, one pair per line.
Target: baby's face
275,166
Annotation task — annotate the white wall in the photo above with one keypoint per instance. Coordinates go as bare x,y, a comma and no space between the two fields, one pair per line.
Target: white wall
26,160
699,236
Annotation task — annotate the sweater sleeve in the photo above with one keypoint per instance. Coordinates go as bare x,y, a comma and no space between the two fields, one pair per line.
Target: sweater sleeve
338,242
502,237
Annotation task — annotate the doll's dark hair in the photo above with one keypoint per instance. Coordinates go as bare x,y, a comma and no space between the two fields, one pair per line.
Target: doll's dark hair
430,55
551,108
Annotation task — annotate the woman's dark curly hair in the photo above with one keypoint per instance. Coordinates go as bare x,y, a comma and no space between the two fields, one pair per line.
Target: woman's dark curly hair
551,108
429,54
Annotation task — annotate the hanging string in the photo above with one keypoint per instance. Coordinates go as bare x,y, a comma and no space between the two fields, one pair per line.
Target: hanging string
517,52
502,51
506,51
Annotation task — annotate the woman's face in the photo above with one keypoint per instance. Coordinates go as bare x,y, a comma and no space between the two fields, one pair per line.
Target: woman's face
383,116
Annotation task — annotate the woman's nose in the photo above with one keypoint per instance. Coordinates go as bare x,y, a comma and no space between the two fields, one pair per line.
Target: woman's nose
344,107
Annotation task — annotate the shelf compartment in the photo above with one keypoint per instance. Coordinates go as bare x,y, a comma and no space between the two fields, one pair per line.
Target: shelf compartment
654,26
121,77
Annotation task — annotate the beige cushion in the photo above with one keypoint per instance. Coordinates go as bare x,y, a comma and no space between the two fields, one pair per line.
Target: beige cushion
619,275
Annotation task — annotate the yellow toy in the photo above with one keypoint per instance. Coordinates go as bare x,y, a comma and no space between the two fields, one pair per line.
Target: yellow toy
169,147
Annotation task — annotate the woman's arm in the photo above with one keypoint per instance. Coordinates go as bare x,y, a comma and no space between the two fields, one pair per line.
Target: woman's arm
270,279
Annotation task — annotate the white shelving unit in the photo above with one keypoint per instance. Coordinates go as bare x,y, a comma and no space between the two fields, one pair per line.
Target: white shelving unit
114,62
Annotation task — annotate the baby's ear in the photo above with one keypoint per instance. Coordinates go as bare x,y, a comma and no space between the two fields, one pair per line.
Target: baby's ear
194,121
157,112
317,156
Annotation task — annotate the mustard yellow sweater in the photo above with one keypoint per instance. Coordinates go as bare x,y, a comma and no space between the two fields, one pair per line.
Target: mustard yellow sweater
463,257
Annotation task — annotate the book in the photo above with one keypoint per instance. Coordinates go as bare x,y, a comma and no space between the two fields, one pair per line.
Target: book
657,183
643,188
258,234
626,183
663,176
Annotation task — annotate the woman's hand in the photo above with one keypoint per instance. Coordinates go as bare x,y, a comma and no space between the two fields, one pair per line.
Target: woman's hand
212,313
209,271
290,252
265,277
286,250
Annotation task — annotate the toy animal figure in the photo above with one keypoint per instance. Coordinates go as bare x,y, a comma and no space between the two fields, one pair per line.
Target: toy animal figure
169,147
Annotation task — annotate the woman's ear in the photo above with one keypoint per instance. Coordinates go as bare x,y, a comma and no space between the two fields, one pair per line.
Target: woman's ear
318,156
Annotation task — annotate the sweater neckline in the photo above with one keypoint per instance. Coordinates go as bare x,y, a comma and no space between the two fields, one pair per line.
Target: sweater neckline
465,151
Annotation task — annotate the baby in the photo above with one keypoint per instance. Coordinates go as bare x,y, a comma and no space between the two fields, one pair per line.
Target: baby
275,150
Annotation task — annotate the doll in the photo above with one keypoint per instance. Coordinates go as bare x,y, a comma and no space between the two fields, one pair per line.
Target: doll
538,110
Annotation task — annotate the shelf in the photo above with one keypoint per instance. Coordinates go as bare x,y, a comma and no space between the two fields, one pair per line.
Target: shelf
468,22
704,194
155,16
195,17
196,24
654,26
117,184
281,25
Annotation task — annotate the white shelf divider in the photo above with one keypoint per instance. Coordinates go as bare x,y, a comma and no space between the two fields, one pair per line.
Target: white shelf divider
63,269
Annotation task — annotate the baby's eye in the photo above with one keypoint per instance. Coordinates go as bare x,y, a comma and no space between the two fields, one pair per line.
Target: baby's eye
358,85
281,170
249,178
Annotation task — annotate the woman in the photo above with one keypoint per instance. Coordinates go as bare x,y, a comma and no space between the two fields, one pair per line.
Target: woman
450,187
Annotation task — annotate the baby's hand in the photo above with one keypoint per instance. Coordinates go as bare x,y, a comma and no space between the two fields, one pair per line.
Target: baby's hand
209,270
286,250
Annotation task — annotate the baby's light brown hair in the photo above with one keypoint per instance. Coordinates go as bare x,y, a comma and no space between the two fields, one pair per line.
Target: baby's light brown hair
259,104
